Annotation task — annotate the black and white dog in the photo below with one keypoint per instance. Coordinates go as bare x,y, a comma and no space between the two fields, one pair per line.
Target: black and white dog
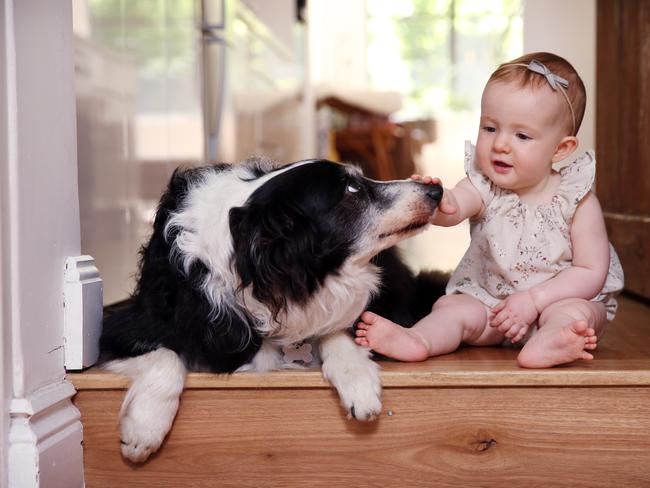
245,259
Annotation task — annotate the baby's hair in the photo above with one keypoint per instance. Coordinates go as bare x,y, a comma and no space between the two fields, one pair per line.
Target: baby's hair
576,93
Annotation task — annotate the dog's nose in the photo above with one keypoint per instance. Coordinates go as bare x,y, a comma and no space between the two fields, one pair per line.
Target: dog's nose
434,192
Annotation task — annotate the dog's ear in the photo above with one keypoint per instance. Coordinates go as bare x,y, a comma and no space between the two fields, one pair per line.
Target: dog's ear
279,251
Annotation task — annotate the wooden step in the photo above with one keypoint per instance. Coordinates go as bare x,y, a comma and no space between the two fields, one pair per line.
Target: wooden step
472,418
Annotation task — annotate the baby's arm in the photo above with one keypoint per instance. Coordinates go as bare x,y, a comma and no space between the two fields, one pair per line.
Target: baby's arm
457,204
586,276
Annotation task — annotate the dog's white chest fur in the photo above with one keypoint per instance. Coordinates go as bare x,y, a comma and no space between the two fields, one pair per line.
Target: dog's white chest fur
336,305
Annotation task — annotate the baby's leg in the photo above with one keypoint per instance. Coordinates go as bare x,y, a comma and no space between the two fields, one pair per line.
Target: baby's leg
453,320
567,330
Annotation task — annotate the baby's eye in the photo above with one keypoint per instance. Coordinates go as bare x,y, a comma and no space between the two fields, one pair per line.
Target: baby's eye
488,128
523,136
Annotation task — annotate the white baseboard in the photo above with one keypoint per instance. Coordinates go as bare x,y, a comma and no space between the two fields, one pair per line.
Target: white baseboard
45,436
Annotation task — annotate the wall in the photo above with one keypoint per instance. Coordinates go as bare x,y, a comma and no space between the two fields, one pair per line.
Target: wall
567,28
44,221
337,43
40,228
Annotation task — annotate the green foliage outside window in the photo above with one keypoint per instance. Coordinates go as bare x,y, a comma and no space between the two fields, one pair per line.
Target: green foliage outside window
447,48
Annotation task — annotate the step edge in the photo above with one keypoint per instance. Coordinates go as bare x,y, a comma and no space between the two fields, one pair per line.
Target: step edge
431,379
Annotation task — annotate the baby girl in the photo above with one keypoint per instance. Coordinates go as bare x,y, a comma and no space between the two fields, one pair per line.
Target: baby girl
540,270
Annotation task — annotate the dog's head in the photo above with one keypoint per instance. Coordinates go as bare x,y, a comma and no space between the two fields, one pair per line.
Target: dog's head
305,220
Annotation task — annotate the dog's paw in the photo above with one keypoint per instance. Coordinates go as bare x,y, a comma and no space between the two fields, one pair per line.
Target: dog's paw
357,380
151,402
354,375
135,446
143,428
361,396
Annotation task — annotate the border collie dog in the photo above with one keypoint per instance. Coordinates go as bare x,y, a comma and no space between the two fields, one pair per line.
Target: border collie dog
247,259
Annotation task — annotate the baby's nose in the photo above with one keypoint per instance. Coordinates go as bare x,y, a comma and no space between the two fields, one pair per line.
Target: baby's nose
501,144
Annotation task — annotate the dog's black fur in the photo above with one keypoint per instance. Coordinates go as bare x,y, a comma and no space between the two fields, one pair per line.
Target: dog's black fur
167,309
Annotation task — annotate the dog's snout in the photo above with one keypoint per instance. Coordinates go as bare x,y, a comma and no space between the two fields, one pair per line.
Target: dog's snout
434,192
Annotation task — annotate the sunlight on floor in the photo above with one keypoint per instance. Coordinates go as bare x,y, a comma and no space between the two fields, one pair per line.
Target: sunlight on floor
442,248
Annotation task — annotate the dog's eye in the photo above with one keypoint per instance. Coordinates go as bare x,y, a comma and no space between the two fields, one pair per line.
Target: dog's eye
352,187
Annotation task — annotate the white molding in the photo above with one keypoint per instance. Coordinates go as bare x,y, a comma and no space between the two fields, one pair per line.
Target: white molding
45,439
5,327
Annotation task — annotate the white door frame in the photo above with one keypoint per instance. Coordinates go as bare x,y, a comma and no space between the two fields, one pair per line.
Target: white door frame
5,330
41,431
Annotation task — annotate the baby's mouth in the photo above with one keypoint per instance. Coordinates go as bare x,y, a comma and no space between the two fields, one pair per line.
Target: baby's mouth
501,167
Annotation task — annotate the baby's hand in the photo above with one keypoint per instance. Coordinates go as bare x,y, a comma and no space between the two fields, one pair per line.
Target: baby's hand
427,180
446,205
514,315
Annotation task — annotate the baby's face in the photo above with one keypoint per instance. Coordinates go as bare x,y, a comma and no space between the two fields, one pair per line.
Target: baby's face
518,135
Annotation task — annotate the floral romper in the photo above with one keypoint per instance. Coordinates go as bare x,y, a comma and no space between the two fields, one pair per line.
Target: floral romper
515,246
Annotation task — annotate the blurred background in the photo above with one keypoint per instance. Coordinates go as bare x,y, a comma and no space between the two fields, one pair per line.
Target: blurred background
393,85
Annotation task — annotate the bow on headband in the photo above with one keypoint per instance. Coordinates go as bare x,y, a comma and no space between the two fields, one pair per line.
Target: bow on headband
554,80
551,77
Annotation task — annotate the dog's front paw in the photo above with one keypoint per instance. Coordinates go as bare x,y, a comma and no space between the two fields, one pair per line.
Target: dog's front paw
354,375
143,431
361,398
151,402
137,444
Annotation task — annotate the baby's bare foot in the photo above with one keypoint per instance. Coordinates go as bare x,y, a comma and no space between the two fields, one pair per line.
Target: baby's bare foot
558,345
387,338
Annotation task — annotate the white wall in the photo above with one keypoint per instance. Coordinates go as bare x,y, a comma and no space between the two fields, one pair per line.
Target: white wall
44,221
40,228
567,28
337,43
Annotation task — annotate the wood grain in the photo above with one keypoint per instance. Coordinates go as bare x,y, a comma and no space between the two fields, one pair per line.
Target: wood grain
631,239
431,373
577,437
622,130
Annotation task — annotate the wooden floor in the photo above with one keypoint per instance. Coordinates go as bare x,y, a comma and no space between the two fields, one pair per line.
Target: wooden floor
472,418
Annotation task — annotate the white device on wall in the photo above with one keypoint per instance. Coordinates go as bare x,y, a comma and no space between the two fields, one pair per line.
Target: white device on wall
83,309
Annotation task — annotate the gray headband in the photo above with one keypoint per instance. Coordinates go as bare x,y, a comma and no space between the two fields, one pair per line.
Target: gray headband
556,82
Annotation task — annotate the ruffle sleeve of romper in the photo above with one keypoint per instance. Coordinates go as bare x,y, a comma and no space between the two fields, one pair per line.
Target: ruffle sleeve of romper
482,183
576,180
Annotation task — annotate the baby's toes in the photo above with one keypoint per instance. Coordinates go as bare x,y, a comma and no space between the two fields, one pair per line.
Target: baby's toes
361,332
368,318
580,328
361,326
